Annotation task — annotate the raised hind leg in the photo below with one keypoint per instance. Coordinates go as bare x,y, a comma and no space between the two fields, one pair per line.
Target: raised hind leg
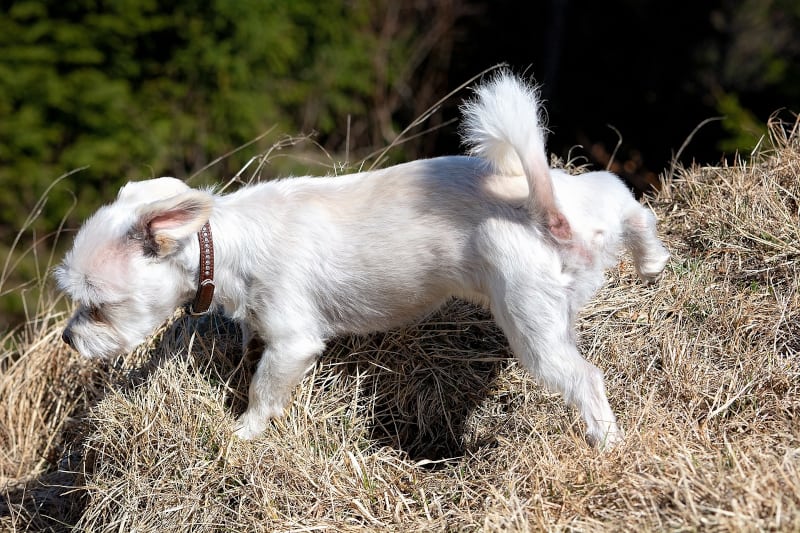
649,254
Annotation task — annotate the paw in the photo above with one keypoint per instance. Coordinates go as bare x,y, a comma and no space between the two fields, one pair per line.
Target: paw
650,270
249,427
607,438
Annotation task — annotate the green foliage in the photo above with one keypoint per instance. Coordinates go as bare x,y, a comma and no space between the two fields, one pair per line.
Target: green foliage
133,89
756,61
744,130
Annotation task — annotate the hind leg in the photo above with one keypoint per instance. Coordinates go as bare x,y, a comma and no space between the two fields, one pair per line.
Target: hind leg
536,320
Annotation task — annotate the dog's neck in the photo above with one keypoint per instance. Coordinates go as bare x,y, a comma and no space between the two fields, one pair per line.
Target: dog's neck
205,282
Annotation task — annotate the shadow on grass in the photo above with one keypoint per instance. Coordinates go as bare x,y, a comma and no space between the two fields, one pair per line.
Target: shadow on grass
418,388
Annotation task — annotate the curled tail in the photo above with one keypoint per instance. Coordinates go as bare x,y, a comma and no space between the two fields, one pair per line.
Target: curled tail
503,125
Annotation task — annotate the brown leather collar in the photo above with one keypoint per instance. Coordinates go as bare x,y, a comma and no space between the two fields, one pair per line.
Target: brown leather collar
205,286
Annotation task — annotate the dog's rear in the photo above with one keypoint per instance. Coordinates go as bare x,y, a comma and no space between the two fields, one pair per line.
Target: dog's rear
590,218
504,126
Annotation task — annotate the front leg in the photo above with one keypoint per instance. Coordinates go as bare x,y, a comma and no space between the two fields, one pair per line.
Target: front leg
283,364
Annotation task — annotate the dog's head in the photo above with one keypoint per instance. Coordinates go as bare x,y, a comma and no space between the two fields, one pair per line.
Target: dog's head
124,271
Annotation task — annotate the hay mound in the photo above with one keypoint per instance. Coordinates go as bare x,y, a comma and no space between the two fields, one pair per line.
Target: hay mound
434,427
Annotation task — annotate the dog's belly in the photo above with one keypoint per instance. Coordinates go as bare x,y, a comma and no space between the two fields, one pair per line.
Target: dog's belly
387,286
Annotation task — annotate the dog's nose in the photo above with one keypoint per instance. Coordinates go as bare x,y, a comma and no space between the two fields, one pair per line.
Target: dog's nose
66,336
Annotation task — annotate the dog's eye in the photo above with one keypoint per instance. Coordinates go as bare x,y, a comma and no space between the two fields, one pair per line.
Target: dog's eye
95,313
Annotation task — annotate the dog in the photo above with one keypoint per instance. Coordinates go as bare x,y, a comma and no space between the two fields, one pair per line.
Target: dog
300,260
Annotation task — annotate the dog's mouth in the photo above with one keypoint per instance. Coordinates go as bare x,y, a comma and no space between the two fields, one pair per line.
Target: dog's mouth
92,344
93,351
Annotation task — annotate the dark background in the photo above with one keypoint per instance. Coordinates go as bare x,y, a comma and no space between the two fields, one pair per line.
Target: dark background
654,71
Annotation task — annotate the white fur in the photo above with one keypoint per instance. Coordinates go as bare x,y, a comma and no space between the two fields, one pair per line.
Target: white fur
301,260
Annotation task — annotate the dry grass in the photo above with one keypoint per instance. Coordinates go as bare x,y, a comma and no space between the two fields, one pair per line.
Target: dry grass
433,427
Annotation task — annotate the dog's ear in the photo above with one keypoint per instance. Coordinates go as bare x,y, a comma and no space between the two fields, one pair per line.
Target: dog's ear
163,225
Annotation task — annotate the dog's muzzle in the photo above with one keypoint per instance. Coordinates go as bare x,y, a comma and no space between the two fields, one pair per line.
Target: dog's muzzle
66,336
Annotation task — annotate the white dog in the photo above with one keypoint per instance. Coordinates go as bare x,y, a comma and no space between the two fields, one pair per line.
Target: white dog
302,260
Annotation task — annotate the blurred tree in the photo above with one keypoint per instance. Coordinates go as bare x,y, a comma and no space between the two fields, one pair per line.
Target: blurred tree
752,67
132,89
139,88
